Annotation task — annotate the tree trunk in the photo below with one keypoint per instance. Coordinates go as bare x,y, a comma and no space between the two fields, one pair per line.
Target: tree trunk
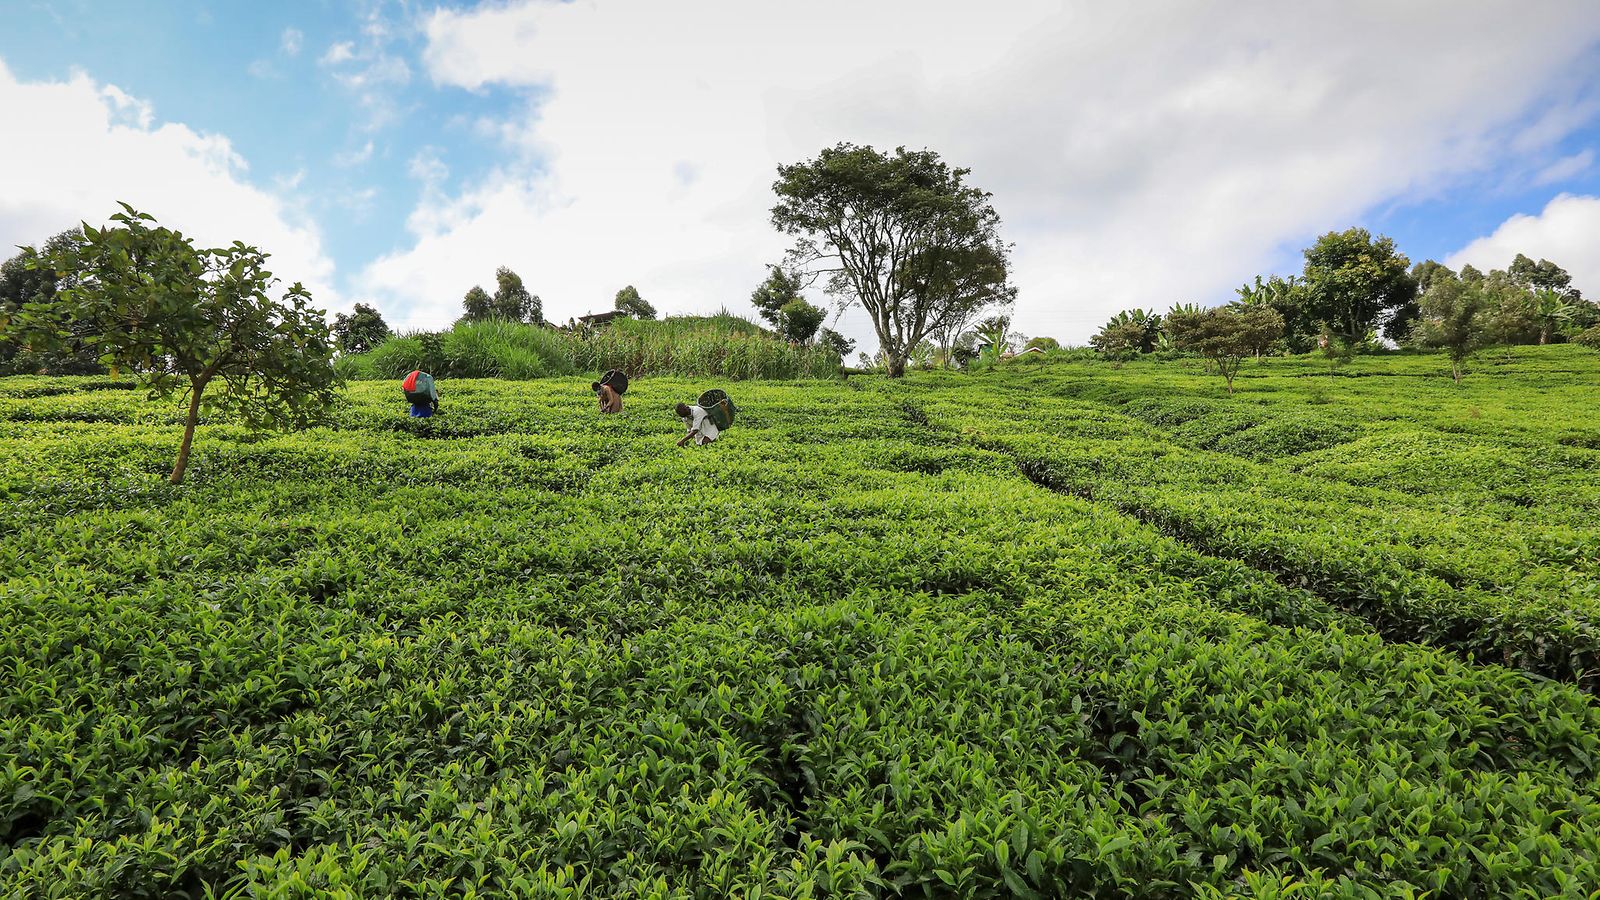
897,366
1544,335
1455,371
188,433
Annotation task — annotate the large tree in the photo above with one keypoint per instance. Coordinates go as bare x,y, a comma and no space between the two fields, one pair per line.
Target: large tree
1355,283
630,303
836,342
901,234
512,302
182,318
1224,336
361,330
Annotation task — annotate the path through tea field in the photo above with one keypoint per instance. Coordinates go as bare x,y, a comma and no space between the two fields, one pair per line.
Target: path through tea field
1057,630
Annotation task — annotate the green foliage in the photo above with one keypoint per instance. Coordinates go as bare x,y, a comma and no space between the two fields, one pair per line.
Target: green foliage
1451,320
477,305
628,301
147,300
1224,337
836,342
512,302
1354,283
1024,635
23,282
1588,338
1128,334
798,321
361,330
1043,343
901,234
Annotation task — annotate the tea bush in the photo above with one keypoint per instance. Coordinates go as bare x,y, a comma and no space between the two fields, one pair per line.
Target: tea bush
1009,635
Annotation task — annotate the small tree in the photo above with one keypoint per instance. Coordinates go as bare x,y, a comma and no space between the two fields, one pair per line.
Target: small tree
1128,333
836,342
798,321
1225,336
361,330
512,302
779,287
1452,321
478,306
1119,340
1043,343
628,301
182,318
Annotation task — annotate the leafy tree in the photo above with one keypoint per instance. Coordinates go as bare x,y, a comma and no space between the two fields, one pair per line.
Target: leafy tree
1589,337
1543,275
478,305
1120,339
1043,343
780,287
901,234
512,302
23,282
1225,336
628,301
361,330
149,301
1450,320
1288,297
1129,331
798,321
1355,283
836,342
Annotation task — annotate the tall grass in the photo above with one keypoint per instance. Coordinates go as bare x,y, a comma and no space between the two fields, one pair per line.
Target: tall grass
722,345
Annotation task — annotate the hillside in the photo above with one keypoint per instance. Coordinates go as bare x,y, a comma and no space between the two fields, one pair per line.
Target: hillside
1052,630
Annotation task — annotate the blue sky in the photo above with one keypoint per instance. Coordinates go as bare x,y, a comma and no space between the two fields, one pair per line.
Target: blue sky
259,73
1141,154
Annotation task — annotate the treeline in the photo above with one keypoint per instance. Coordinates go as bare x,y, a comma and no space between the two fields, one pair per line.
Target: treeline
1356,294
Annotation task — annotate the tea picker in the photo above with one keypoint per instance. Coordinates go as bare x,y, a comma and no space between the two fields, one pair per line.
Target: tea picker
421,393
609,389
707,418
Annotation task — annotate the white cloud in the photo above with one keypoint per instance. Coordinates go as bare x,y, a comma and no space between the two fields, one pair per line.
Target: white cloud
1565,168
370,71
90,146
354,157
1139,156
291,41
343,51
1564,233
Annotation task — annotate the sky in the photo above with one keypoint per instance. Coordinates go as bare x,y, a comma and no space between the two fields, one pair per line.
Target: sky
1140,154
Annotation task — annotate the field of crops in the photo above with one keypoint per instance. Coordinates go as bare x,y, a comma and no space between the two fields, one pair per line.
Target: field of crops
1063,630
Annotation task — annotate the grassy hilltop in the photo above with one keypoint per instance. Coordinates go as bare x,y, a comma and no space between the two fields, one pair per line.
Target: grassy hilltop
1051,630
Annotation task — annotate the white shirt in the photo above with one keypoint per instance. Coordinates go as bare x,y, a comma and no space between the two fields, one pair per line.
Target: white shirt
700,421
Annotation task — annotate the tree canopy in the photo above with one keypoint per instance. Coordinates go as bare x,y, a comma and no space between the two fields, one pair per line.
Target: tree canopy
902,235
23,282
628,301
1355,283
1451,319
361,330
1225,336
180,318
512,302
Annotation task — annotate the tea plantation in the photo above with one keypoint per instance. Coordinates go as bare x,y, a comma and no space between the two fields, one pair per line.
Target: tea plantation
1056,630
